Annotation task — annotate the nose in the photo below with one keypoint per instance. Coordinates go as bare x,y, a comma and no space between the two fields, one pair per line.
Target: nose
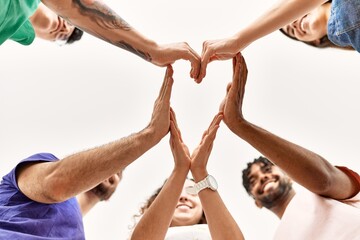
264,178
183,199
294,24
67,27
184,196
114,179
65,31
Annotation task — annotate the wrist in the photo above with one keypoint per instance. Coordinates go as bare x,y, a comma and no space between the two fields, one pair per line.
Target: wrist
242,39
199,174
209,182
154,50
150,135
240,127
183,170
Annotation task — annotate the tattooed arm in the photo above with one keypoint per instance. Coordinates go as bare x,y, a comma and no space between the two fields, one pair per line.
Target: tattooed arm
96,18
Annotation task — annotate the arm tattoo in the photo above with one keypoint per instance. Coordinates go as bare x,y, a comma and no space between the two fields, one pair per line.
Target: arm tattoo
106,18
130,48
102,14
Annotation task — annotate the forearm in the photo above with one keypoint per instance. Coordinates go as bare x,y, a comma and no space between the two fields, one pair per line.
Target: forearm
276,17
96,18
59,181
302,165
221,223
156,220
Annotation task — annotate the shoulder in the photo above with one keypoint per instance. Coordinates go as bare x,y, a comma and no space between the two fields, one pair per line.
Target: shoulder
10,178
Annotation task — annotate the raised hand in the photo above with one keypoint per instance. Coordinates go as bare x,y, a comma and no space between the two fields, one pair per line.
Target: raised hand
178,148
232,104
160,119
200,155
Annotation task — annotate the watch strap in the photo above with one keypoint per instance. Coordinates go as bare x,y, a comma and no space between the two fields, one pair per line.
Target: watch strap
203,184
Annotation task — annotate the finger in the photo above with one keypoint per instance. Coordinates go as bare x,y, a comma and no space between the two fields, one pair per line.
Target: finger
205,46
176,124
228,87
243,67
187,53
234,61
195,60
168,75
173,116
222,105
172,134
168,83
210,137
205,58
174,131
208,140
216,120
236,76
213,131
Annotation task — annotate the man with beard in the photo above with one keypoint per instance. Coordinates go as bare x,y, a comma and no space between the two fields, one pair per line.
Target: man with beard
328,207
37,197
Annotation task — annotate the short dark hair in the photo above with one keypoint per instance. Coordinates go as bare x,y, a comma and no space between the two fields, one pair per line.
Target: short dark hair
75,36
246,171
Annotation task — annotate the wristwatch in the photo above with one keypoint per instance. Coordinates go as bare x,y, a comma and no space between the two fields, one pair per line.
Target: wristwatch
208,182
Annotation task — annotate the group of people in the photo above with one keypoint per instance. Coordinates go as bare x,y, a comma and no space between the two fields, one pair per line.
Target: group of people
44,197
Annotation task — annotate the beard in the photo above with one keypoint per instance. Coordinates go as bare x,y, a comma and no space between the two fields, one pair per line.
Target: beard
271,199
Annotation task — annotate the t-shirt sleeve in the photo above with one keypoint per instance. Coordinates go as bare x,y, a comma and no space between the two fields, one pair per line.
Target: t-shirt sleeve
10,178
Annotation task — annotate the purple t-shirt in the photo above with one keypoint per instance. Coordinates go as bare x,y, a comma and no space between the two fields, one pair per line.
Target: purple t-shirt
23,218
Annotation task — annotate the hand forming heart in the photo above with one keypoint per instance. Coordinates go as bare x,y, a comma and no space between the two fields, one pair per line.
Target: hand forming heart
230,111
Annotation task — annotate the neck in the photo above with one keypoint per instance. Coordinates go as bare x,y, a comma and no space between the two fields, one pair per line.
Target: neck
282,203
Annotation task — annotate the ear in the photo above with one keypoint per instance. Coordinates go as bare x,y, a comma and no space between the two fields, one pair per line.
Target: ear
258,203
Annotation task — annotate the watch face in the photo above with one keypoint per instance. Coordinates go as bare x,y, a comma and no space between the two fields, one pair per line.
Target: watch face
212,182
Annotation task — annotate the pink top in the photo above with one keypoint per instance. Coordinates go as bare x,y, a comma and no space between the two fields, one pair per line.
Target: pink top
312,217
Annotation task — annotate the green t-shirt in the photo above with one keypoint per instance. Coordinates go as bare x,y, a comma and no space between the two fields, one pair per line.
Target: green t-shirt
14,20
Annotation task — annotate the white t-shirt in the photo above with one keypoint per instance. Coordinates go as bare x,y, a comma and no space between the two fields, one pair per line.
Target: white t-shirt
193,232
312,217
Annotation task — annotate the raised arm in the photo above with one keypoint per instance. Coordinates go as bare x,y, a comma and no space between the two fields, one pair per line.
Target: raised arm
156,220
276,17
102,192
96,18
303,166
221,224
51,182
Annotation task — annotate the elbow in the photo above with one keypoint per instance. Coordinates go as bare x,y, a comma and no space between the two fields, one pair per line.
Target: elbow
323,184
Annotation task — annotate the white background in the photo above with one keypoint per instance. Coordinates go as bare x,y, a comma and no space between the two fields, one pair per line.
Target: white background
67,99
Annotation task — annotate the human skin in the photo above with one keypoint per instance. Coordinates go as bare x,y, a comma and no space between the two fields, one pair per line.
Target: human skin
102,192
302,165
157,219
49,26
310,27
276,17
96,18
52,182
